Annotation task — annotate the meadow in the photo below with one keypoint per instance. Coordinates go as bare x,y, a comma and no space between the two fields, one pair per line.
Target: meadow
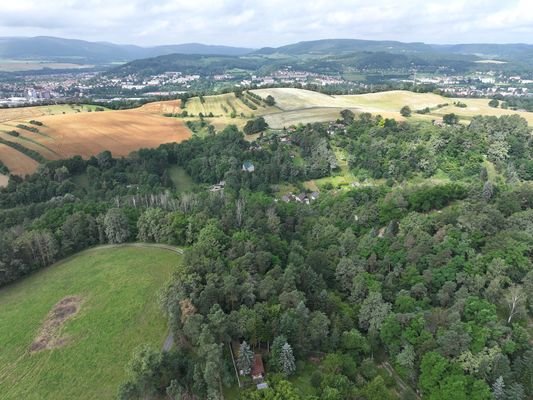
117,294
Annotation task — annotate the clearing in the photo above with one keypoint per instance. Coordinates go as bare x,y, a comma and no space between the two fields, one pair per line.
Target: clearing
110,296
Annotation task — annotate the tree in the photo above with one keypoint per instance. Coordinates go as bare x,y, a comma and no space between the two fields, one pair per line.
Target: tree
245,359
116,226
494,103
515,300
255,126
270,101
488,191
405,111
373,312
347,116
286,360
498,389
450,119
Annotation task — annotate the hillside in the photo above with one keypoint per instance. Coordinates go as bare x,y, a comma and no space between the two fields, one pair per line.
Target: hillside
31,135
82,51
114,292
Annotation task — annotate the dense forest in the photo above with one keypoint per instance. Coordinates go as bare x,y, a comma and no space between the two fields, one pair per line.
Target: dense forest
423,268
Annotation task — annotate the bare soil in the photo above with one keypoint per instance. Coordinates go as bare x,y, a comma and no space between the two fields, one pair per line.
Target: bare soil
50,336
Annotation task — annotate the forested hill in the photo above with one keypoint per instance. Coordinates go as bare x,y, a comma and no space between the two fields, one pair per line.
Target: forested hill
422,266
72,50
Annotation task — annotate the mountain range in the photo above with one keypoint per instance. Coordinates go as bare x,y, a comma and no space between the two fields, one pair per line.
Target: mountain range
352,51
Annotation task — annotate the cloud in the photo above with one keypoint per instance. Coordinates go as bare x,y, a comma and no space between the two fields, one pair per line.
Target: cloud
270,23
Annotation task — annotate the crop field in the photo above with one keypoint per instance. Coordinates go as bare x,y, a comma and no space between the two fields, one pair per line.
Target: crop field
219,105
297,105
68,131
18,163
21,113
68,331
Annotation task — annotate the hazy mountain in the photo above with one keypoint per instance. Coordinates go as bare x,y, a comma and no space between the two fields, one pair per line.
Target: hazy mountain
339,46
52,48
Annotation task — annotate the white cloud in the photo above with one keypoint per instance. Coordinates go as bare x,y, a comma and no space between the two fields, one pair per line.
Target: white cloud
269,23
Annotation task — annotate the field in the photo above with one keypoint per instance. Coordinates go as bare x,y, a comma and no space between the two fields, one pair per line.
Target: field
305,106
114,293
32,65
71,130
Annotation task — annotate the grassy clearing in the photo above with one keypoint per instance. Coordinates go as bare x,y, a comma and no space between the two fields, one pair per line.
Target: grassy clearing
118,289
181,179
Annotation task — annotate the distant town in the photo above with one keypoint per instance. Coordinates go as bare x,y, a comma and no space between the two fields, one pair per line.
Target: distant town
55,87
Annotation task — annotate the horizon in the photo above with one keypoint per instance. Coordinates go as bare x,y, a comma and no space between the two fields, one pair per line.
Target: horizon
151,23
261,47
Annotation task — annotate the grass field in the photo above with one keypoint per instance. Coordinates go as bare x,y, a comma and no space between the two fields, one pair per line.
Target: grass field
298,105
72,130
180,178
117,289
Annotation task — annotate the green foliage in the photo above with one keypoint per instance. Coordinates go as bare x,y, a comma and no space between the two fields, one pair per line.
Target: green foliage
255,126
405,111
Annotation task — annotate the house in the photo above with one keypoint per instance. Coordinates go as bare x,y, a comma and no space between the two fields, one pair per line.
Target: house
258,370
248,166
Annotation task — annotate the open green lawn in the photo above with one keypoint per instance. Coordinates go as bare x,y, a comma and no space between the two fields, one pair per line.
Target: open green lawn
181,179
119,311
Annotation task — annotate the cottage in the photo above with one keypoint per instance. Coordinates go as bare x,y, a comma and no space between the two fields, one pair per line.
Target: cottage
248,166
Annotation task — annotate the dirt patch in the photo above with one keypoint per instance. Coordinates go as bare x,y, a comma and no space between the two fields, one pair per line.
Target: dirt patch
49,336
4,179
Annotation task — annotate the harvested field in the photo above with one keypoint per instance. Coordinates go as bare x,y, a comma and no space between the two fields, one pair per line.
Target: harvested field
49,336
120,132
162,107
18,163
3,180
23,113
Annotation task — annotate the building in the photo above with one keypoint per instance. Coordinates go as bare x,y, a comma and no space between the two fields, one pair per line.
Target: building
248,166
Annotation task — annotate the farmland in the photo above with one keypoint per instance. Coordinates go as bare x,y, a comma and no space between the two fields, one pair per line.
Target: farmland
304,106
66,131
116,293
70,130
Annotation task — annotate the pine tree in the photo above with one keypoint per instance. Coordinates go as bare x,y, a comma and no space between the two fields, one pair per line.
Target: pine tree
286,360
245,359
498,389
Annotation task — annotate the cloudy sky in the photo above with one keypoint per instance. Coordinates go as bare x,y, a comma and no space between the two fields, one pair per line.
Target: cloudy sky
270,23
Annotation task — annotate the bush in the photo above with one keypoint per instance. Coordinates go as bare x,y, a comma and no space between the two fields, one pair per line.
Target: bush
405,111
494,103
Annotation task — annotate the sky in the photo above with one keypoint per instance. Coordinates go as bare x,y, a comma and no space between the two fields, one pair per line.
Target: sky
270,23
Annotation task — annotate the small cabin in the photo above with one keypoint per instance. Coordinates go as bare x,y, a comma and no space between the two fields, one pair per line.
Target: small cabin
248,166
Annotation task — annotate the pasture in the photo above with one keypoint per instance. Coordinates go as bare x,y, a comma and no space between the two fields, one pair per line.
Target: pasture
111,296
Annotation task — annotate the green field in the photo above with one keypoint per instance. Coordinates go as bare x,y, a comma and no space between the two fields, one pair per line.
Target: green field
181,179
118,288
